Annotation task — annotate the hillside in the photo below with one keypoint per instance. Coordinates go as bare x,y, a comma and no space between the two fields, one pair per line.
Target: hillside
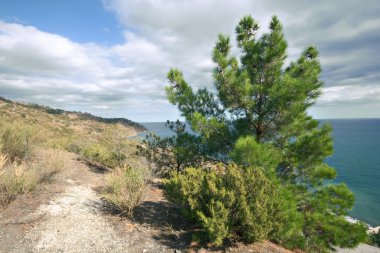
60,174
60,117
100,140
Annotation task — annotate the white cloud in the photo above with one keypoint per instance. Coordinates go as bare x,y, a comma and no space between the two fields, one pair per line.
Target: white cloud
184,31
344,31
348,101
128,79
349,94
49,69
27,50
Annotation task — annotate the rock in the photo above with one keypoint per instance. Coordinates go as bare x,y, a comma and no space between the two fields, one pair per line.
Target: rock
374,230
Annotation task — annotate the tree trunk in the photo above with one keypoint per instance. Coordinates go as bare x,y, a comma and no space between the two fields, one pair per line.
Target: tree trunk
259,132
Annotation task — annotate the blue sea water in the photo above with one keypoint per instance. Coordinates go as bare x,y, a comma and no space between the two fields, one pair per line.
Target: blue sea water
356,159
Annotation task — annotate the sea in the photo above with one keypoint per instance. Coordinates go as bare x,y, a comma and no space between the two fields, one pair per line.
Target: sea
356,160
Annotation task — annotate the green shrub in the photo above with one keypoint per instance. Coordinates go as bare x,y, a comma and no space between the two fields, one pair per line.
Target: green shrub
69,143
17,140
237,202
97,152
110,149
125,187
374,239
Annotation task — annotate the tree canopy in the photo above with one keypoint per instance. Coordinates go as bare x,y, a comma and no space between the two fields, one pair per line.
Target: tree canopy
258,117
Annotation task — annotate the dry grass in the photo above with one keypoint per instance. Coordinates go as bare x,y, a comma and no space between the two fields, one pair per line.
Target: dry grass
22,177
50,162
26,158
17,140
59,130
97,141
125,187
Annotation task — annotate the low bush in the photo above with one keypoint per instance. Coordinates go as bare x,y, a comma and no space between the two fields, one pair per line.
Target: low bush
125,186
17,140
21,177
51,162
103,154
110,149
15,179
233,202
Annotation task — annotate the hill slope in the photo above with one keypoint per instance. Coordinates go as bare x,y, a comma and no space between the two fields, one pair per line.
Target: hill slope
23,109
61,121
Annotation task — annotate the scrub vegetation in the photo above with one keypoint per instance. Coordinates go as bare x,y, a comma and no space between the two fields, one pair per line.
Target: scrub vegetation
34,141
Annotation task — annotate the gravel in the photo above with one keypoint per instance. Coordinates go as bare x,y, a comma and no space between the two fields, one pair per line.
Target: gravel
362,248
73,223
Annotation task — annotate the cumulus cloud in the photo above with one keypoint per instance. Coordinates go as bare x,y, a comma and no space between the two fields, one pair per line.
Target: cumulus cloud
353,93
128,79
349,101
49,69
347,33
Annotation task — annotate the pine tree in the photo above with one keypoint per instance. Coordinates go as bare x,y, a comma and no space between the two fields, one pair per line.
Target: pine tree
259,118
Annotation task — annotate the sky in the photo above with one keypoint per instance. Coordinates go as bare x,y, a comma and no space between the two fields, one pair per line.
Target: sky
111,57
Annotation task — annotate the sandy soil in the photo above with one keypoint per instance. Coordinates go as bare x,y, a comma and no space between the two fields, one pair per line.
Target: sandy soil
362,248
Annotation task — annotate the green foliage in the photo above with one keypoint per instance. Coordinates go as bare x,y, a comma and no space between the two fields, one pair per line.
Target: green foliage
172,153
110,149
233,203
374,238
249,152
325,224
258,118
54,111
102,154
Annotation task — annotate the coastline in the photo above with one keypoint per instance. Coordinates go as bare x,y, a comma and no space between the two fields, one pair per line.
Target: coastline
136,134
370,228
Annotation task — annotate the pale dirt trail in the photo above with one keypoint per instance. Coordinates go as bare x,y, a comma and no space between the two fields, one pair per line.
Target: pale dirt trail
74,220
362,248
74,224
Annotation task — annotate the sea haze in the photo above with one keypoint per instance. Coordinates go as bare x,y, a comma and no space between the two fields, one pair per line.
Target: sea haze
356,159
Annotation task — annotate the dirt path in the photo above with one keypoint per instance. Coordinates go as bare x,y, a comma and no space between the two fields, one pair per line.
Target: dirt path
74,224
362,248
70,216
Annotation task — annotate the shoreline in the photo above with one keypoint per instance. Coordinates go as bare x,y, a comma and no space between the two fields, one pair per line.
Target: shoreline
370,228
